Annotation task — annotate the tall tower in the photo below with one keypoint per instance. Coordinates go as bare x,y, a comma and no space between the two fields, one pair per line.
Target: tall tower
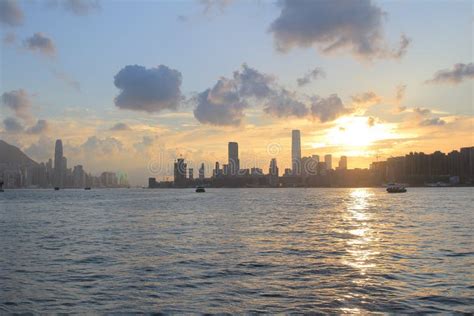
296,152
58,164
328,161
343,163
234,163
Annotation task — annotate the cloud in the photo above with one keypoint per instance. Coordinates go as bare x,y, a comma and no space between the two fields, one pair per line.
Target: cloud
220,105
120,127
285,104
42,150
220,5
457,74
328,109
41,43
105,146
433,122
311,75
421,111
143,145
9,38
253,83
148,89
371,121
40,127
10,13
366,99
12,125
400,92
19,102
67,79
77,7
336,25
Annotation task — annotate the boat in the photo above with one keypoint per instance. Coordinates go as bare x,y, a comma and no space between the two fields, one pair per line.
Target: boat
396,188
56,188
87,188
200,189
1,187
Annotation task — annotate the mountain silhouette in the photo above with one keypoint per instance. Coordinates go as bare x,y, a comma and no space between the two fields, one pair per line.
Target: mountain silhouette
13,156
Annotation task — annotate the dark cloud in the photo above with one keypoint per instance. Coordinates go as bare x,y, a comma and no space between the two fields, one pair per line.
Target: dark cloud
334,25
285,104
41,43
433,122
421,111
457,74
67,79
40,127
328,109
220,105
12,125
311,75
19,102
77,7
120,127
150,90
253,83
10,13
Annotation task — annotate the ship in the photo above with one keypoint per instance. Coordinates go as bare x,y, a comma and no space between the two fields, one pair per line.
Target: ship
396,188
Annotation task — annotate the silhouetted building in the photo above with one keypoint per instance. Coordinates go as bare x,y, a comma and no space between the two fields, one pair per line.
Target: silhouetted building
79,176
273,173
201,172
180,173
233,156
309,166
454,163
467,164
343,163
191,174
58,164
296,152
217,171
328,161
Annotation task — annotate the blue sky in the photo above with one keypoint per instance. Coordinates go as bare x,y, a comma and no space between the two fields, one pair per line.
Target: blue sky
204,46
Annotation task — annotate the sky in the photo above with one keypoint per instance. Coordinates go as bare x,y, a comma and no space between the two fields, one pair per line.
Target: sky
131,85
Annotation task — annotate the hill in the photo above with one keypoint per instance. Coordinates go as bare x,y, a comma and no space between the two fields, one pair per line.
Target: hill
13,156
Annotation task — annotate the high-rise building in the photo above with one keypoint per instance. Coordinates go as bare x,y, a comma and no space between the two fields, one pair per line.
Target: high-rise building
328,161
191,174
273,173
79,177
233,154
316,158
296,152
58,164
201,172
343,163
217,171
180,173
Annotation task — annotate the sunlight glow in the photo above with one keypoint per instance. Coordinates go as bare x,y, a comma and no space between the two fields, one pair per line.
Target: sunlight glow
356,132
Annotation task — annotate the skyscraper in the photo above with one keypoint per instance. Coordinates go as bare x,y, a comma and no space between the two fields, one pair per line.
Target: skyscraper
328,161
296,152
180,173
58,164
343,163
234,163
273,173
201,172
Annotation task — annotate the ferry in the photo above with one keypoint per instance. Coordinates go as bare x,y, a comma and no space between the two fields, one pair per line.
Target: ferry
56,188
200,189
396,188
87,188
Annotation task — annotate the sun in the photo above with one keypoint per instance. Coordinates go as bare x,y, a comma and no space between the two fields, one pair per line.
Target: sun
357,132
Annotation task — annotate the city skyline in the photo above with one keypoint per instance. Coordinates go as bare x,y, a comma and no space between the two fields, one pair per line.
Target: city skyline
386,88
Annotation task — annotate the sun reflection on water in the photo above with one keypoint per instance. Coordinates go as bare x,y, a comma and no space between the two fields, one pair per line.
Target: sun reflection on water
361,248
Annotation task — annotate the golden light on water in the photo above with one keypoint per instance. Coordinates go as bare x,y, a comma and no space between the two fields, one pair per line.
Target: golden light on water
361,248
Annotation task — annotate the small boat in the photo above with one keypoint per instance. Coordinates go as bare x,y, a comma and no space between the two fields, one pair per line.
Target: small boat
87,188
396,188
200,189
56,188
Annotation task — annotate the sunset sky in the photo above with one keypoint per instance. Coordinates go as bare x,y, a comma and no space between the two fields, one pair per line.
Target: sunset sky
131,85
